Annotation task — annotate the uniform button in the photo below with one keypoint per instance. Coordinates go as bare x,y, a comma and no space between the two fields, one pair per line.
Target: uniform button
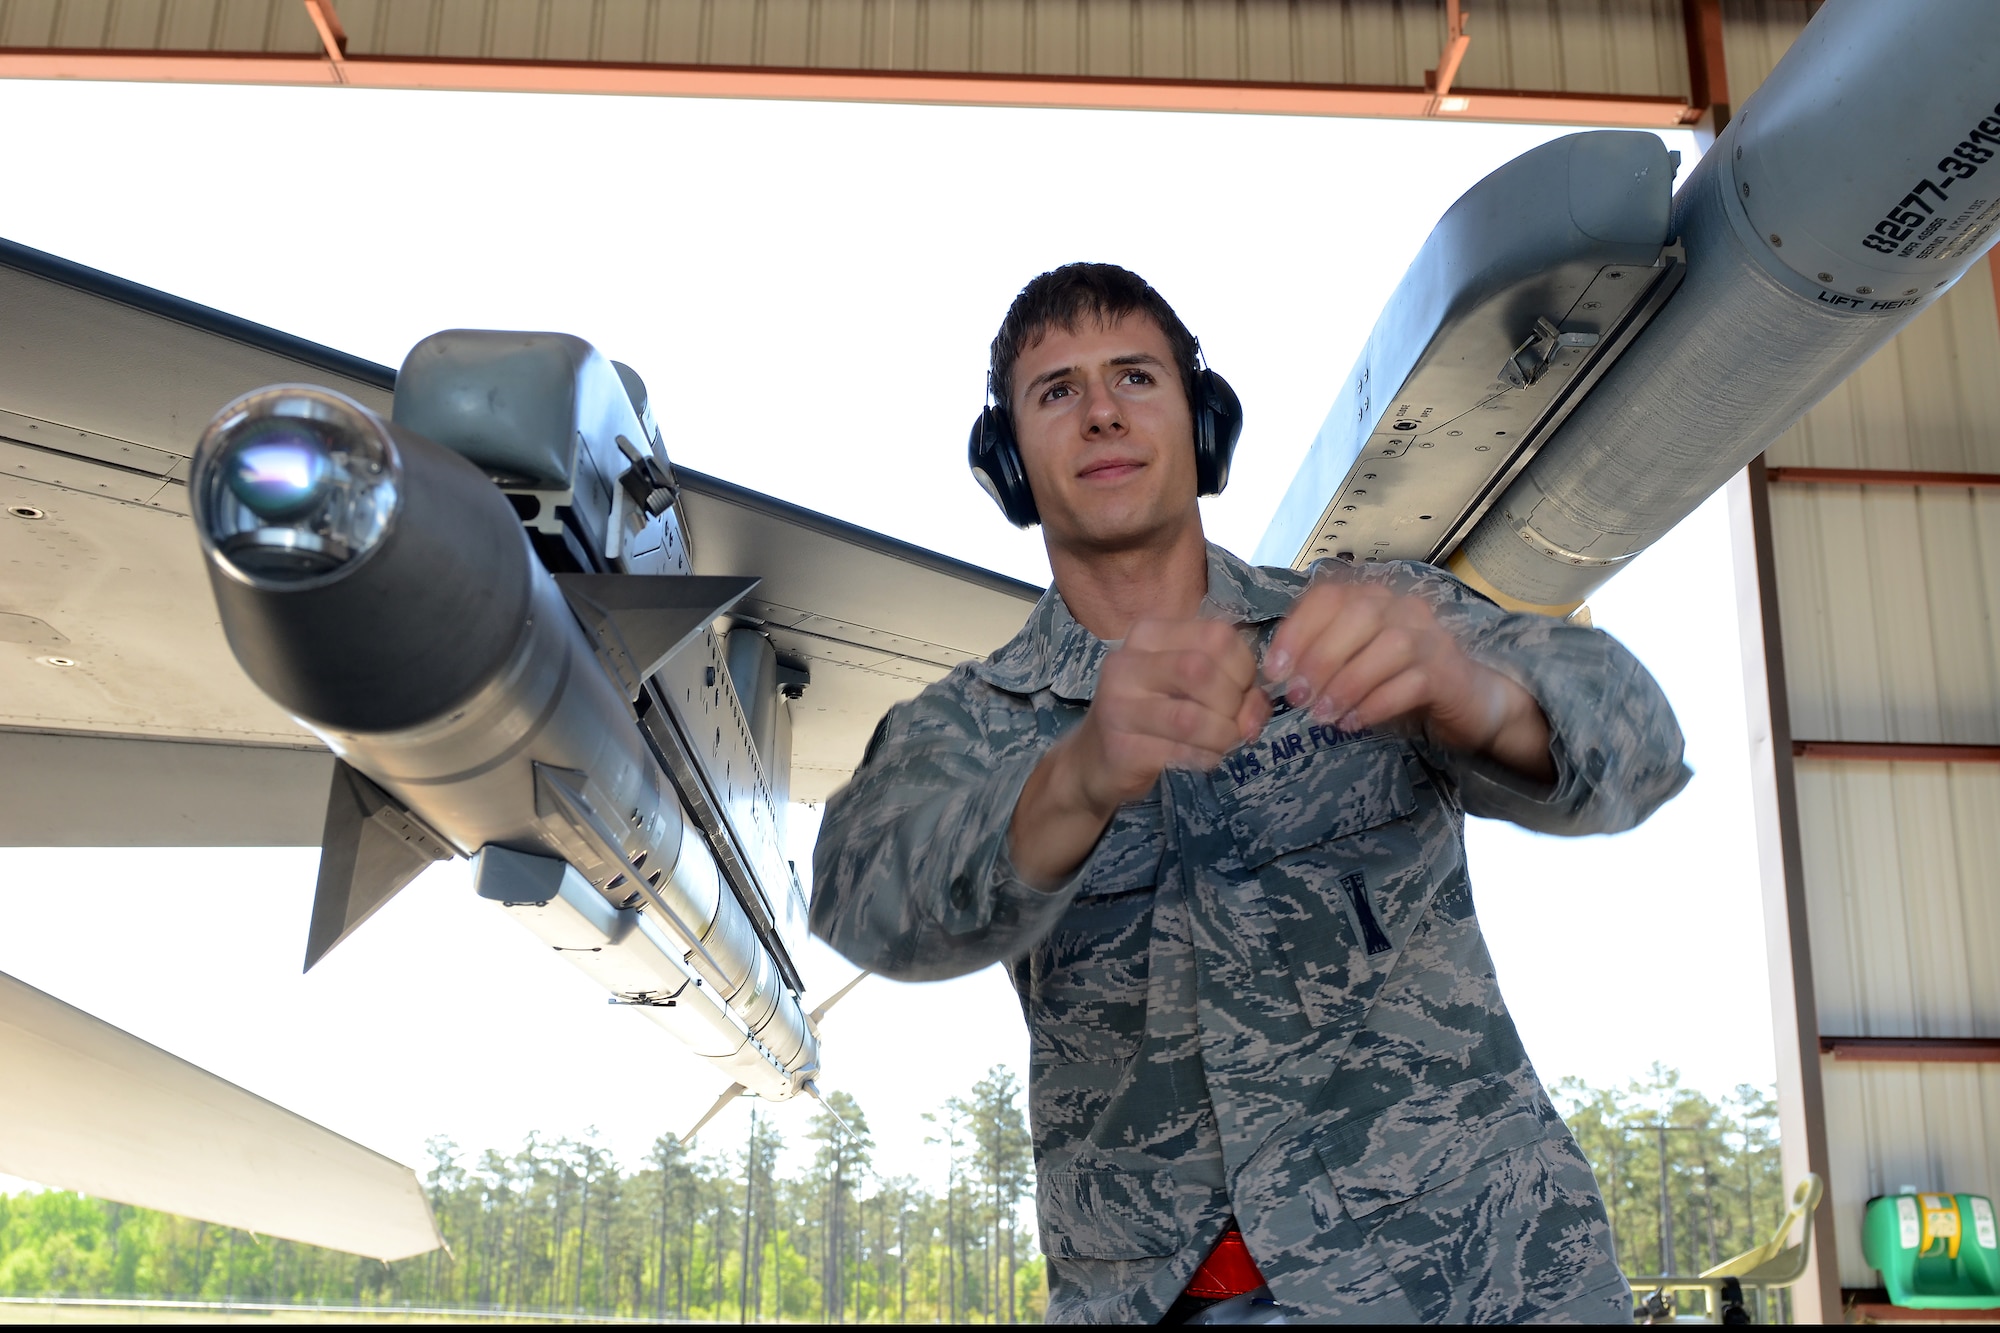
961,893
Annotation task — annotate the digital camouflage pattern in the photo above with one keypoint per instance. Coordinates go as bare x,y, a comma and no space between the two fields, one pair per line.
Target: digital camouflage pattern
1265,994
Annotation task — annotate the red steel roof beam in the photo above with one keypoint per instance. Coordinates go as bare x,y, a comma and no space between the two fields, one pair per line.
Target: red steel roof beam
1868,476
1896,752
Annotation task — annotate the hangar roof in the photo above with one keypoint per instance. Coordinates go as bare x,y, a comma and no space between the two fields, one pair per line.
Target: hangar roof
1610,62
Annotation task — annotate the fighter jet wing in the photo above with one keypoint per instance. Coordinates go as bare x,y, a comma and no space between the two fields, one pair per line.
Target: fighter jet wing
89,1107
124,718
872,619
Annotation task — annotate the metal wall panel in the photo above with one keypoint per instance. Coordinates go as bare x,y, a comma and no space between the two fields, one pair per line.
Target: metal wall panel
1903,863
1890,613
1891,595
1927,1125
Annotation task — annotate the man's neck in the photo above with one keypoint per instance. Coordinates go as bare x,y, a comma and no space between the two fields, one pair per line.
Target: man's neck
1107,590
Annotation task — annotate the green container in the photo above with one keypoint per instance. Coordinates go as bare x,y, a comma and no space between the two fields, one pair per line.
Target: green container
1935,1251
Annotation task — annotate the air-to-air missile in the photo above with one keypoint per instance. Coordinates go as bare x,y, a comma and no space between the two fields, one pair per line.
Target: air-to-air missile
1580,355
485,608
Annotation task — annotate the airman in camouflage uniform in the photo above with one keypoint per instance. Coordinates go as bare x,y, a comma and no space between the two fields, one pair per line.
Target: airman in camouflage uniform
1264,995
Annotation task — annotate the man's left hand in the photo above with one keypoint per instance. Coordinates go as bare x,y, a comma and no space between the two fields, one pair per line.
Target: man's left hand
1359,655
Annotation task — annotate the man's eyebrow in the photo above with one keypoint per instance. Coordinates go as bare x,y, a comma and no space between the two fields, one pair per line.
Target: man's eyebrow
1128,359
1047,376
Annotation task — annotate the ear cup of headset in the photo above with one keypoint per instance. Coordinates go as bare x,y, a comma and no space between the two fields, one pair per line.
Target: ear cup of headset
995,459
1218,422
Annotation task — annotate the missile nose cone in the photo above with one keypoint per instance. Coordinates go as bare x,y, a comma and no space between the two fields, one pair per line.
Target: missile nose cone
293,485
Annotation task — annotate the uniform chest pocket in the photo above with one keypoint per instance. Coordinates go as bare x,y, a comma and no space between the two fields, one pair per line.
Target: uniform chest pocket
1087,978
1329,833
1326,787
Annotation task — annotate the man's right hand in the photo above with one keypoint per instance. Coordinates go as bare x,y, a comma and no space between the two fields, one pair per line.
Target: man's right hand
1175,694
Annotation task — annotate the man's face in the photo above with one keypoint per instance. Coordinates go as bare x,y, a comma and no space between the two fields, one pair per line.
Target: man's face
1106,434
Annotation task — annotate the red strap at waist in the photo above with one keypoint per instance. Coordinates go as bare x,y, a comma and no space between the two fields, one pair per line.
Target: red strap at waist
1228,1271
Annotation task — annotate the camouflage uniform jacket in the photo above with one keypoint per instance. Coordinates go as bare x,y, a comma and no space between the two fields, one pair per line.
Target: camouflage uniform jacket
1264,994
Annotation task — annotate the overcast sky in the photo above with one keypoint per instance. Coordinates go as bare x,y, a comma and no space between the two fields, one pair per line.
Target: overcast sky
808,290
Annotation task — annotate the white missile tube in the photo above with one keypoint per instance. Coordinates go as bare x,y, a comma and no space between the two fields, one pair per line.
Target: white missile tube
1858,183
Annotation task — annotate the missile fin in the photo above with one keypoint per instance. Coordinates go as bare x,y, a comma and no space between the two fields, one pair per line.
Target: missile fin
812,1090
816,1015
638,621
371,849
729,1094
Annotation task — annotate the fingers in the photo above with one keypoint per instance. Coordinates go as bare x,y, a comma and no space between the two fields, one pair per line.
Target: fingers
1393,652
1359,655
1256,711
1177,721
1401,693
1214,639
1327,627
1203,661
1176,694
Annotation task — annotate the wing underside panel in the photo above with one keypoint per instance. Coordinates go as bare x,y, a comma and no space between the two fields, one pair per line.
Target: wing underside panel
89,1107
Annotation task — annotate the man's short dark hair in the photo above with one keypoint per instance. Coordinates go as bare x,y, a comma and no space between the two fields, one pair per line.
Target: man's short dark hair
1063,298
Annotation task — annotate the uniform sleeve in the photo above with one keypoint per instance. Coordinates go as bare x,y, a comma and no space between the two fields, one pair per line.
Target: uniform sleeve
1615,742
911,874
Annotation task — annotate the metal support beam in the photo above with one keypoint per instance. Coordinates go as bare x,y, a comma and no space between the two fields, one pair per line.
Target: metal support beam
1914,1050
1439,80
1896,752
1708,77
1787,938
331,35
1869,476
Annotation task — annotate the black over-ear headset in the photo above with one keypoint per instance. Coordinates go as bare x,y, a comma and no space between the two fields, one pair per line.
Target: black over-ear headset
995,456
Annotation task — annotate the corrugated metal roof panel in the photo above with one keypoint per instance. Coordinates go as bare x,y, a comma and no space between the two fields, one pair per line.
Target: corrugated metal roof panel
1622,47
1633,47
263,26
1934,1126
1754,34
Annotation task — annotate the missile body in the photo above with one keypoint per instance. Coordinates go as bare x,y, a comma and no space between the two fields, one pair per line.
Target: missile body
1859,182
1575,361
382,589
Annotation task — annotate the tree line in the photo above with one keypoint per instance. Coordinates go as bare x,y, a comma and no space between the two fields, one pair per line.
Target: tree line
1688,1181
560,1226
